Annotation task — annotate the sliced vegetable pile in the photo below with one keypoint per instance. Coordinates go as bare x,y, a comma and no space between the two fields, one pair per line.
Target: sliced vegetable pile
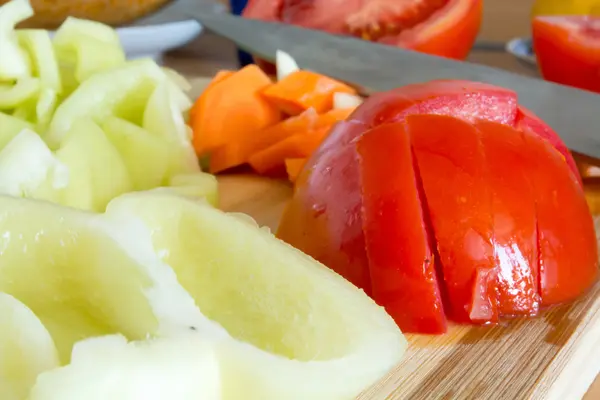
244,118
447,200
79,124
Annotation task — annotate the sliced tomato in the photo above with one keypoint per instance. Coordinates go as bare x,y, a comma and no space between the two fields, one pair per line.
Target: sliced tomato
514,218
442,27
399,243
568,50
451,162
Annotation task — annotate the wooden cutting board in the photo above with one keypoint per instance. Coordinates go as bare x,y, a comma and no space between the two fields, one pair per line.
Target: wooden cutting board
553,357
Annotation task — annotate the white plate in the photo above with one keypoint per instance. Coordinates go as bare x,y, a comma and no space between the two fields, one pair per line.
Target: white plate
154,40
522,49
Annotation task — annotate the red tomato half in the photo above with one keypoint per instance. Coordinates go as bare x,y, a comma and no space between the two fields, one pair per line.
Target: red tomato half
568,50
442,200
442,27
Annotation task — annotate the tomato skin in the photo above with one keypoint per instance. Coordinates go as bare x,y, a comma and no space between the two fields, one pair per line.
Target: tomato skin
450,31
568,50
398,240
461,133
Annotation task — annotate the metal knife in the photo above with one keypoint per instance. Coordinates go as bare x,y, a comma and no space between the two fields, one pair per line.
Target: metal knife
573,113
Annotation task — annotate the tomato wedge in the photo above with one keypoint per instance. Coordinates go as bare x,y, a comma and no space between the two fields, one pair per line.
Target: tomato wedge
458,173
442,27
568,50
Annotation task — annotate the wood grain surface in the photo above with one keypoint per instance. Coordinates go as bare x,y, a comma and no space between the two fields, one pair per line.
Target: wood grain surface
554,357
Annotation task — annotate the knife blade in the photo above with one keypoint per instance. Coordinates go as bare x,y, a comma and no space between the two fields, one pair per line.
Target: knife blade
573,113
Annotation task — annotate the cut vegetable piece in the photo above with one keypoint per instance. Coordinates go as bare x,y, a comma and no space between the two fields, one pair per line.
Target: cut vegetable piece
110,368
99,96
15,64
301,145
305,89
286,65
240,277
198,185
343,101
12,95
146,156
29,169
449,155
398,242
568,251
293,167
88,46
39,47
45,107
513,207
238,153
26,349
95,166
86,275
163,118
231,109
11,126
179,80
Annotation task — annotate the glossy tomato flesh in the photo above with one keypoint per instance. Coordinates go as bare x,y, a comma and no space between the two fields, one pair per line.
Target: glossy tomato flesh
481,186
568,50
442,27
399,243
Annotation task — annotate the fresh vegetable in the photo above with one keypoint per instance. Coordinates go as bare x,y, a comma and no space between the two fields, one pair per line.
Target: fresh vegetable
293,167
174,368
232,108
302,90
26,349
79,124
567,50
312,102
446,184
160,270
446,28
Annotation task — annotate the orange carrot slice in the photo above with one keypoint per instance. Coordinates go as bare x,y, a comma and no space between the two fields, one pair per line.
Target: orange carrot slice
231,109
300,145
293,167
238,153
303,89
219,76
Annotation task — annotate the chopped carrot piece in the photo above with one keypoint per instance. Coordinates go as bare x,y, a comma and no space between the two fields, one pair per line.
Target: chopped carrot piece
293,166
219,77
300,145
303,89
232,108
237,153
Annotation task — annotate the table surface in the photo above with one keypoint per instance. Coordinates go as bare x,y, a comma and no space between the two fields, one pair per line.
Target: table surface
503,20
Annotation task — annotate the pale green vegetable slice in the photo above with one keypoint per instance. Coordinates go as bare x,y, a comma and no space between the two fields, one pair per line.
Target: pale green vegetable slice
29,169
13,60
163,118
45,107
198,184
178,369
26,349
87,275
10,126
97,173
101,94
39,47
146,156
12,95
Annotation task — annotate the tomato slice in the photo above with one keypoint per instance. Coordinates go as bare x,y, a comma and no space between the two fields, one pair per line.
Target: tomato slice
568,252
514,219
450,161
568,50
445,28
398,241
